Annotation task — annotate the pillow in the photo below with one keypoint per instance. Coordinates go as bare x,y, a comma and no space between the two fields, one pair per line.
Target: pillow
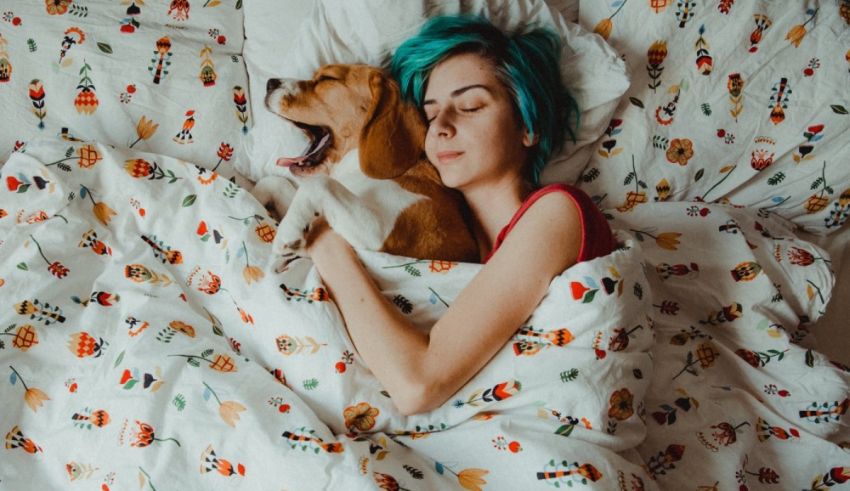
91,70
742,102
368,31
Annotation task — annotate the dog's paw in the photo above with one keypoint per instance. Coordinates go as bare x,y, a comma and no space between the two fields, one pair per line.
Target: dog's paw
289,242
285,262
292,238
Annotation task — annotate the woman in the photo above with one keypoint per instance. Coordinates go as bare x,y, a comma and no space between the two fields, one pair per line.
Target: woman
496,109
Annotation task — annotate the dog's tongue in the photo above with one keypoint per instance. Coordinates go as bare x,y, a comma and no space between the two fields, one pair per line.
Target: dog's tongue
315,147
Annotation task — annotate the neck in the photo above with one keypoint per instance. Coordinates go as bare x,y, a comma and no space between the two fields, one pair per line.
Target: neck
492,208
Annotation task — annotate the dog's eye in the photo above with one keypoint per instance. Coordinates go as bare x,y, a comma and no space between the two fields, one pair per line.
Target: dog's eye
325,78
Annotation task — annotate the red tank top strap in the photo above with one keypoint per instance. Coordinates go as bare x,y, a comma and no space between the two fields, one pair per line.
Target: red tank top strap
596,237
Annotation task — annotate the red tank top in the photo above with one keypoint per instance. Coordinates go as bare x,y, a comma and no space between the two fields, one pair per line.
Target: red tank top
596,237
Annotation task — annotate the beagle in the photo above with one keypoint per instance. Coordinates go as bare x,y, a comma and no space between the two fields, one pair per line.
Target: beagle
364,170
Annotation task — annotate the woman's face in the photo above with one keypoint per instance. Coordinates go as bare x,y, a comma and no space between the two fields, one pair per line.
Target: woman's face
474,134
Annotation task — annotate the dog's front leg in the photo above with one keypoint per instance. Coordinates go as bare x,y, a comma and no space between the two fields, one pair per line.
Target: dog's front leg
275,193
347,214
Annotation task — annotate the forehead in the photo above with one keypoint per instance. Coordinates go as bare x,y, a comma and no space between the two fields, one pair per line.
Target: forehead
461,70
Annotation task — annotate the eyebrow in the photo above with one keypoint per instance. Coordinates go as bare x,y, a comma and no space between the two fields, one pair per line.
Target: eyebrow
460,91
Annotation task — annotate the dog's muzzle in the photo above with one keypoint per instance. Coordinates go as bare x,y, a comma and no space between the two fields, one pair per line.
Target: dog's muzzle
277,88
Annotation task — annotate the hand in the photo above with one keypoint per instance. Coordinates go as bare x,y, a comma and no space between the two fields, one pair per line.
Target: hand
322,240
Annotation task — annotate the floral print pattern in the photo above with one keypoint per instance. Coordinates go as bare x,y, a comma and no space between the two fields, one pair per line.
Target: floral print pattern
81,70
702,99
199,342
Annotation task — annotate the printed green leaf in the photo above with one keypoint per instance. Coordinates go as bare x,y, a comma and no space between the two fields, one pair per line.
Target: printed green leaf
23,266
637,102
106,48
189,200
699,175
838,109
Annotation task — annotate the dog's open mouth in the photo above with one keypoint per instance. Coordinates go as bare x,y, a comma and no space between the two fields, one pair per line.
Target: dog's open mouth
320,140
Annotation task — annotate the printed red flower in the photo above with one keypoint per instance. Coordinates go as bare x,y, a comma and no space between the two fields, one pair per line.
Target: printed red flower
578,290
58,270
748,356
225,151
13,183
36,89
840,474
800,257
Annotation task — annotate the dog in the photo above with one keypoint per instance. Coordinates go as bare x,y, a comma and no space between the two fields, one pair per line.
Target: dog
364,171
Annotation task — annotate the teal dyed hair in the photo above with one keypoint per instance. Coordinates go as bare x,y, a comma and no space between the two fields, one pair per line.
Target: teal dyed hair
527,63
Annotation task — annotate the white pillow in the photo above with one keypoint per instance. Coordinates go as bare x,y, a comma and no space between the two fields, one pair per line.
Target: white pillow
368,31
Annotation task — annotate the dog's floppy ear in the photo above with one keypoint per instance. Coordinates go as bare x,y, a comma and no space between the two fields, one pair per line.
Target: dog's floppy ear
394,134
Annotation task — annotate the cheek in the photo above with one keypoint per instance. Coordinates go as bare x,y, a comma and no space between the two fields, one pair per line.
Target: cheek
430,145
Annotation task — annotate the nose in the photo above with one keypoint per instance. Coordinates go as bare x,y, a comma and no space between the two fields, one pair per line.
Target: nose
443,124
272,84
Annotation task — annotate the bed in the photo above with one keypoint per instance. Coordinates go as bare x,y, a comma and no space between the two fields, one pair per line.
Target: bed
148,343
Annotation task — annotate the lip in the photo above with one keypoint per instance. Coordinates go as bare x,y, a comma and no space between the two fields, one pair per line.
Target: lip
448,156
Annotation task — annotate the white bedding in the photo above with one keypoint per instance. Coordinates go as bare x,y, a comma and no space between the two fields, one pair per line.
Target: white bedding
736,395
131,318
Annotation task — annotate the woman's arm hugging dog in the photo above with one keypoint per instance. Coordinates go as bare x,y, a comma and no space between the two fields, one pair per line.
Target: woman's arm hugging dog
364,172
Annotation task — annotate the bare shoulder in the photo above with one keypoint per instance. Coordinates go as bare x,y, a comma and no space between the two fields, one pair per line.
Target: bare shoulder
549,234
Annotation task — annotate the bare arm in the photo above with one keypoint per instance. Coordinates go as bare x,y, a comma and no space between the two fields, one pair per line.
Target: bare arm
421,371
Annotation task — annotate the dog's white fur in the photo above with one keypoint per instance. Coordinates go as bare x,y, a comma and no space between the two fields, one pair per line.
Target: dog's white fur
361,209
395,202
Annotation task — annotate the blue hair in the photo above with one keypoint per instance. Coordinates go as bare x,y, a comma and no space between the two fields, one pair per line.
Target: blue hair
527,63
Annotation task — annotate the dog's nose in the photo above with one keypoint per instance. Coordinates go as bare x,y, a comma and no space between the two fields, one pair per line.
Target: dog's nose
272,84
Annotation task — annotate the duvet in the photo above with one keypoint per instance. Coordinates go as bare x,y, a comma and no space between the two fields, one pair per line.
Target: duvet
147,342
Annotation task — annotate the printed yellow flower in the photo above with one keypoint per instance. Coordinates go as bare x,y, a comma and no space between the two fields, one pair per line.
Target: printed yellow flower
844,199
25,336
668,240
252,274
681,150
796,35
229,411
138,168
815,203
438,266
657,52
706,354
604,27
145,129
103,212
56,7
35,398
265,232
472,479
181,326
223,363
621,405
88,156
360,417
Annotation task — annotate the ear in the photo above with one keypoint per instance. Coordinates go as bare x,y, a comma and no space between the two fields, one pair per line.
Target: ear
527,140
394,134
